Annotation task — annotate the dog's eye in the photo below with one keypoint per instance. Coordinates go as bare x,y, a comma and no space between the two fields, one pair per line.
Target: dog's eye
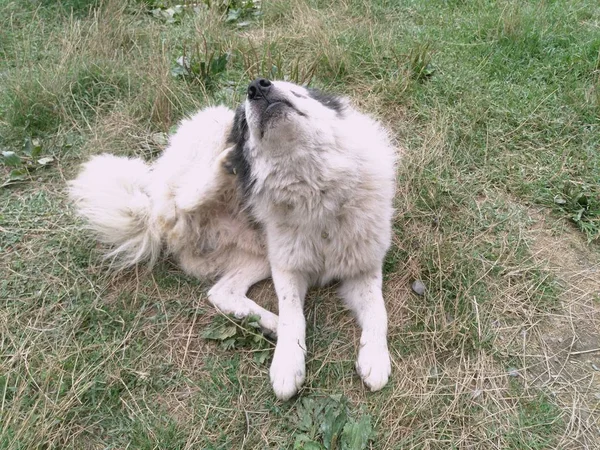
298,95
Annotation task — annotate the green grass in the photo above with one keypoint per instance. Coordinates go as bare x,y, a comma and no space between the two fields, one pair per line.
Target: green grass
495,105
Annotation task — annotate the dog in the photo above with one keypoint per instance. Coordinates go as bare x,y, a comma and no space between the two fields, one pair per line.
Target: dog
295,184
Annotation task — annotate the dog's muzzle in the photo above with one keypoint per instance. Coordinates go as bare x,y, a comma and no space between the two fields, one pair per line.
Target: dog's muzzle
259,88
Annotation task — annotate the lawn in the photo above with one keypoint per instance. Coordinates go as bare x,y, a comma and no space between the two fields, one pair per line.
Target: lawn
495,108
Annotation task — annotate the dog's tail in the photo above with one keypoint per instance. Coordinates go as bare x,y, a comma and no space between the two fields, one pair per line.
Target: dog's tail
110,193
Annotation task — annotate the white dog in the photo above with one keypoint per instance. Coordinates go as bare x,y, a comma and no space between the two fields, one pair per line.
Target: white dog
297,185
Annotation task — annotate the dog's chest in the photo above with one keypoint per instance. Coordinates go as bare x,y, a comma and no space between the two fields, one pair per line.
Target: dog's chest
304,225
300,192
311,218
295,206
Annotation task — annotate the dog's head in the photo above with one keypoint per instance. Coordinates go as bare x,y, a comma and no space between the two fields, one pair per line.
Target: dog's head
281,114
278,118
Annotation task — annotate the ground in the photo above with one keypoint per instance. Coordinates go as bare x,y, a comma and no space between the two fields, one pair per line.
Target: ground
494,106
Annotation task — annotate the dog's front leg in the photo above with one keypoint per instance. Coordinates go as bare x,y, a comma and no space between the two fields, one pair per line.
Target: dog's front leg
229,294
363,296
288,369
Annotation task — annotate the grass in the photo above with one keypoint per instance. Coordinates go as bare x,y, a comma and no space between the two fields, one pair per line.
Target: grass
495,105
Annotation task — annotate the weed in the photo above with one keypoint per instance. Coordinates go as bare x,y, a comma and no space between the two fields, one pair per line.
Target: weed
168,15
271,63
582,204
203,64
239,11
32,108
324,423
78,7
22,164
419,62
240,334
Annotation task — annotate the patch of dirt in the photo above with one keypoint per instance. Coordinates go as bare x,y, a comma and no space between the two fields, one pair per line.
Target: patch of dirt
576,265
566,349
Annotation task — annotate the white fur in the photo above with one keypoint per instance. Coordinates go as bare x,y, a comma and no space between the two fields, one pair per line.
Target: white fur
185,205
322,188
373,363
111,192
324,184
287,369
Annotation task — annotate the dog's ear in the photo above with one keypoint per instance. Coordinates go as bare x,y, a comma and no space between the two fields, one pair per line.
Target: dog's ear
338,104
237,136
237,162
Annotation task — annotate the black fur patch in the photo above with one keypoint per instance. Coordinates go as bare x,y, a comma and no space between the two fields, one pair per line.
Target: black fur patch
330,101
237,160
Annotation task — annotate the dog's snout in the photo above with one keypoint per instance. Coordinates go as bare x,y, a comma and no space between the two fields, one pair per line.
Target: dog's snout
263,82
258,88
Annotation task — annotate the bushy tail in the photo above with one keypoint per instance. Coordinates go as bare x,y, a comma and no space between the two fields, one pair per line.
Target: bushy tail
110,193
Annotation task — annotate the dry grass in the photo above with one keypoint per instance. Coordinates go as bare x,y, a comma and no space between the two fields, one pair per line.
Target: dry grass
501,352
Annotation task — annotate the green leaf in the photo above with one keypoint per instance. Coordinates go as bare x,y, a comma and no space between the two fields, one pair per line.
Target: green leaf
27,146
178,71
219,64
11,159
583,200
17,175
36,150
578,215
333,424
356,435
338,398
200,69
32,147
233,15
228,344
221,332
306,413
261,357
45,161
251,319
233,333
304,442
559,200
169,15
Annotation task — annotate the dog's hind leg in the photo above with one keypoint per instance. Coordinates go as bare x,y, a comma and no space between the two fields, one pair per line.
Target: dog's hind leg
229,294
200,188
363,296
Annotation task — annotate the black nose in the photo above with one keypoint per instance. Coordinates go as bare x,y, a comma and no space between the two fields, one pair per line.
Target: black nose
258,88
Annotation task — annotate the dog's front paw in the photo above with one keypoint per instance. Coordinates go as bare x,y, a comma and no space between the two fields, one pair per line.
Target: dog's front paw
287,370
226,162
373,365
